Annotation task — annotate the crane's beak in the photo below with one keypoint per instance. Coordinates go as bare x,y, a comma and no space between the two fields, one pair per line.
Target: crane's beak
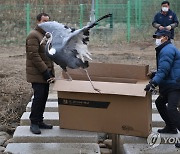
44,40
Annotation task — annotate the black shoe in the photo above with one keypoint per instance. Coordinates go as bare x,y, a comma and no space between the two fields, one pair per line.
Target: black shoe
177,145
167,130
42,125
35,129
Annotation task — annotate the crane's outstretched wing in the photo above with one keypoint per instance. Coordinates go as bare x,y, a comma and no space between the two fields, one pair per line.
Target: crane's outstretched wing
59,32
66,40
76,39
75,43
69,47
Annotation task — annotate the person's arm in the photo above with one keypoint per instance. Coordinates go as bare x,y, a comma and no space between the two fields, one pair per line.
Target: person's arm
32,45
156,24
174,24
171,26
164,66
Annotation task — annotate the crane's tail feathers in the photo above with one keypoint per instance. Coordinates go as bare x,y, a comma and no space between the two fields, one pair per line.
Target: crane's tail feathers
87,56
89,53
101,18
82,51
81,56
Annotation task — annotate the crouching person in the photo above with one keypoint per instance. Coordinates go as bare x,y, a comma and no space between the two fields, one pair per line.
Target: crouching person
167,78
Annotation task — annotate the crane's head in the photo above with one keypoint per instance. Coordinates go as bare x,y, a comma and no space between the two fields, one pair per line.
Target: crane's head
48,39
48,35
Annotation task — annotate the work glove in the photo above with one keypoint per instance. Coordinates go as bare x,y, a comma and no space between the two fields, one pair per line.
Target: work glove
151,87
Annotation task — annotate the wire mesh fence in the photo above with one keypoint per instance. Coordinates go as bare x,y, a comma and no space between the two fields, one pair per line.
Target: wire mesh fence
131,20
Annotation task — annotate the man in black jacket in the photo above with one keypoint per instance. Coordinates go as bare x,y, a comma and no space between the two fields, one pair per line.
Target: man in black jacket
165,19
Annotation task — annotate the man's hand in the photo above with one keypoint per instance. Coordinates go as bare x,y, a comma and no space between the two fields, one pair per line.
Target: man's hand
48,76
150,88
51,80
161,27
168,27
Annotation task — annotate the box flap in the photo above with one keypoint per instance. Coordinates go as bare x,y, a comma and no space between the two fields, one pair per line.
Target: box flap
103,79
80,86
112,70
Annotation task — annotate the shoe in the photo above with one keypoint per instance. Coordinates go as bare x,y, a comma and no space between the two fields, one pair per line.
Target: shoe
42,125
177,145
167,130
35,129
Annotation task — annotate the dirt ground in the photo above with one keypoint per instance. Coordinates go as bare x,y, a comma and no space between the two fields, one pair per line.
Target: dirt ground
15,92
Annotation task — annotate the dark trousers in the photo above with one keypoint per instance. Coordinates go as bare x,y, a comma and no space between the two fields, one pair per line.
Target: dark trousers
41,91
167,107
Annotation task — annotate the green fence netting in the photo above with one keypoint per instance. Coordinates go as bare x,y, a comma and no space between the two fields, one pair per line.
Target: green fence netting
131,20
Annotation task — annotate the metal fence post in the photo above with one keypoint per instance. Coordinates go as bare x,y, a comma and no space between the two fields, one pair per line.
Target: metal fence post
103,7
97,9
81,15
128,21
92,14
41,2
111,21
136,13
27,18
140,13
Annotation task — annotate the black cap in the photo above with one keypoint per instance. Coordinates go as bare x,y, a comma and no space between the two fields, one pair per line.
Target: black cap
162,33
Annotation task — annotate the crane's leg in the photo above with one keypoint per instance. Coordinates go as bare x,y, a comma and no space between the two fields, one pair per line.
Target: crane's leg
70,78
91,81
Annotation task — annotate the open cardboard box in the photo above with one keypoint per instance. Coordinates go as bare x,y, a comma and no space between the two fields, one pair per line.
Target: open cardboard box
122,106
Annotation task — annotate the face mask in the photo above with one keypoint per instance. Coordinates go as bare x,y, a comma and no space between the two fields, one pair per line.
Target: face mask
165,9
158,42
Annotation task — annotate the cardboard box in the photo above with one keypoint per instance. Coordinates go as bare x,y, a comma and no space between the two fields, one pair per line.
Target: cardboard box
122,107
